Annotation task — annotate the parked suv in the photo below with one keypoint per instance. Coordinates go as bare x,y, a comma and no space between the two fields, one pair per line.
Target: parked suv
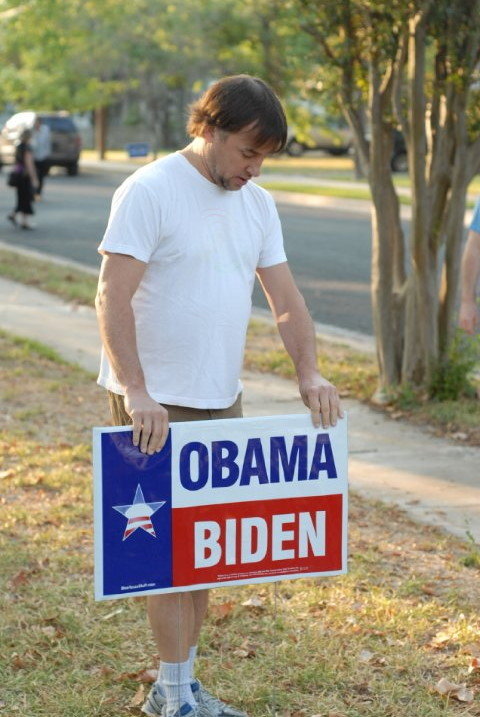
65,138
333,137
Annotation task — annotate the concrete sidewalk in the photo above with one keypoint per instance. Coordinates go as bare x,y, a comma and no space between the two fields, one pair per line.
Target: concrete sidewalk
434,480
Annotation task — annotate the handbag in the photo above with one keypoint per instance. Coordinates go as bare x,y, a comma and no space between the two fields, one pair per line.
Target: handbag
15,176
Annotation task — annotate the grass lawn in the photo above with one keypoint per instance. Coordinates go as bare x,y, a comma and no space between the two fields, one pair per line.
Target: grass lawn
373,643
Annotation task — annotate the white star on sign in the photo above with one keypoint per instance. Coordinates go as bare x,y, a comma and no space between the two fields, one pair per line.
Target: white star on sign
139,514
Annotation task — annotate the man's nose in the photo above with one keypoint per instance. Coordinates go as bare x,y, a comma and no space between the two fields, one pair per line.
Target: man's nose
254,167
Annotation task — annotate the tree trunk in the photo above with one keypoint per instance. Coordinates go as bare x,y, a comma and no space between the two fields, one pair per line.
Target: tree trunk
100,131
387,245
453,230
421,328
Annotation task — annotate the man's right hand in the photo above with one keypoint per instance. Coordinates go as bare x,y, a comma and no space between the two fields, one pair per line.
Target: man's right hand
150,421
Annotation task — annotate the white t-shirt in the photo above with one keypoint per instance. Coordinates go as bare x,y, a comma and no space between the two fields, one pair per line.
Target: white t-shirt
202,245
42,143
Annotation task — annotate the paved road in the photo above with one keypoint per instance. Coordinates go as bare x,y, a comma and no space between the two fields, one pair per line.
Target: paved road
329,251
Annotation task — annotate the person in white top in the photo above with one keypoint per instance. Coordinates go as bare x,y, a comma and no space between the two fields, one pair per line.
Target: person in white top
42,149
185,238
470,276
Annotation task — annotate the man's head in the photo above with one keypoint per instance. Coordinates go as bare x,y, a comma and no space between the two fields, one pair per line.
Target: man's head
240,121
234,103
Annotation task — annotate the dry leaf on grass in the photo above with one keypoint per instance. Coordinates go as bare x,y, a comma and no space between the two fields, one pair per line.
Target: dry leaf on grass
112,614
22,578
450,689
17,662
221,611
255,602
245,650
439,640
52,632
147,676
474,665
138,697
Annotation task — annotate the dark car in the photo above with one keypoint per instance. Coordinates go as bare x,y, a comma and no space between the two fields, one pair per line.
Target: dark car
65,138
399,160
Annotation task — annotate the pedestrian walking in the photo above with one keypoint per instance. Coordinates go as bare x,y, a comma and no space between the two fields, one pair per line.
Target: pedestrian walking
42,149
26,182
186,236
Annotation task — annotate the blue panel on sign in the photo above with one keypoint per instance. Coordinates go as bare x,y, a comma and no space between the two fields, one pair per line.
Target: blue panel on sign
137,501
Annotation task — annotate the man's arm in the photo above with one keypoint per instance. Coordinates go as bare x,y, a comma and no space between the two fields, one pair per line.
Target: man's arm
298,335
469,279
120,276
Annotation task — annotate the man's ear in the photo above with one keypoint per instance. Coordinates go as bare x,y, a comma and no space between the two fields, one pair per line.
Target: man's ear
208,133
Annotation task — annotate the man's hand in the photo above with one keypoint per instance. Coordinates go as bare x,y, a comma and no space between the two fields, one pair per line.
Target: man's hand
150,421
468,316
322,398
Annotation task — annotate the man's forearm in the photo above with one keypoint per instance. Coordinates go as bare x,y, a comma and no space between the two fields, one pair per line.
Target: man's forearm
117,331
298,335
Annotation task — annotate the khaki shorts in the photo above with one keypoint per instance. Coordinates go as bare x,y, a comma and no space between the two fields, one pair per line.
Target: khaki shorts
175,413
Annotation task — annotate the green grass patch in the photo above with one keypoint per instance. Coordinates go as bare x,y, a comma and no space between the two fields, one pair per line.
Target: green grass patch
326,191
67,282
374,642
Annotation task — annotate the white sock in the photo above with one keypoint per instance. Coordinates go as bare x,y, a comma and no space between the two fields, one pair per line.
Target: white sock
191,660
174,678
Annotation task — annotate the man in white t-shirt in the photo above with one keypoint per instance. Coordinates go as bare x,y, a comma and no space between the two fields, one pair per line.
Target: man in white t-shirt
186,236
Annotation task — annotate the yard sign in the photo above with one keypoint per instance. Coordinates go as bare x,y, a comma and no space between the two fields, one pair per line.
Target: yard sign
225,502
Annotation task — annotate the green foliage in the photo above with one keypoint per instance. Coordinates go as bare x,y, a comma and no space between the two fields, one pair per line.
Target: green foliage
451,376
472,559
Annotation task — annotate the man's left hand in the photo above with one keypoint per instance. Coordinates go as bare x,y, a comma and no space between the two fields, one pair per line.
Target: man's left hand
322,398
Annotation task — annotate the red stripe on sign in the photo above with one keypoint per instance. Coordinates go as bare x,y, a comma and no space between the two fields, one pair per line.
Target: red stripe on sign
140,519
237,541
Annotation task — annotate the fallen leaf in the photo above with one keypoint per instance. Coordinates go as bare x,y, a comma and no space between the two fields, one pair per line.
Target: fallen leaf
112,614
7,474
102,670
21,578
147,676
474,665
52,632
458,692
255,602
17,662
138,697
440,639
221,611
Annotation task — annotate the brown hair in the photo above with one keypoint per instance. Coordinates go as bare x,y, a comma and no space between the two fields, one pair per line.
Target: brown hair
233,103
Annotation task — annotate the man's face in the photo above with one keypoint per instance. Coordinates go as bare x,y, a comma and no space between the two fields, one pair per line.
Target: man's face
232,159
